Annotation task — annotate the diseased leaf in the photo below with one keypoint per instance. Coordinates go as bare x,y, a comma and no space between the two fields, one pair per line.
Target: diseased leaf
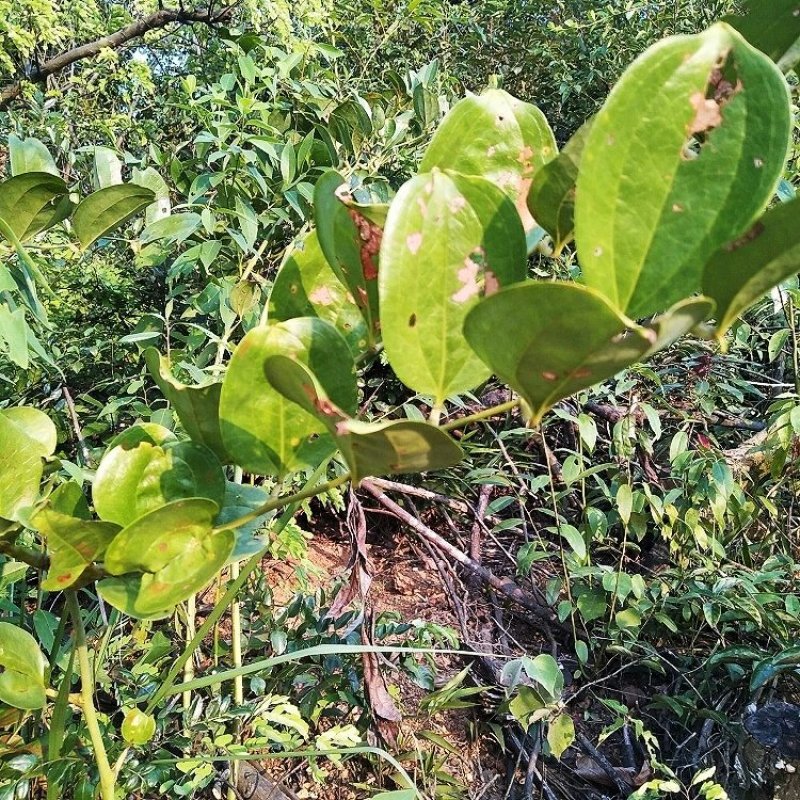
197,407
351,243
370,449
564,338
449,240
106,209
741,272
306,286
497,137
681,159
264,432
560,734
176,549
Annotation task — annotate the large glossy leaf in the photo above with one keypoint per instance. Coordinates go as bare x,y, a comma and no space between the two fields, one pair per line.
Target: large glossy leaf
551,199
22,668
26,437
29,201
306,286
498,137
741,272
197,407
72,545
351,243
382,448
449,240
550,340
139,474
774,27
261,430
682,158
177,551
670,326
108,208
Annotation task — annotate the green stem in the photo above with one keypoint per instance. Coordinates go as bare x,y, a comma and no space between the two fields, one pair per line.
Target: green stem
283,502
107,778
494,411
236,651
191,629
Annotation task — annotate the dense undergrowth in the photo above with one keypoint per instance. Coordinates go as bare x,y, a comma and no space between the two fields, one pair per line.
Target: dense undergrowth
630,570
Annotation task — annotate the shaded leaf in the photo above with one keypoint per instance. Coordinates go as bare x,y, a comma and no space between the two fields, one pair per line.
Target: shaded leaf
29,202
264,432
370,449
772,26
564,338
741,272
197,407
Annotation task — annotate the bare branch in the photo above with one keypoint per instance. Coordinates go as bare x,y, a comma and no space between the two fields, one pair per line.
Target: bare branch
137,29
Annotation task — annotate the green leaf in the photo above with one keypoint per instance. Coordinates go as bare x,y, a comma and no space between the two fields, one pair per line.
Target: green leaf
370,449
197,407
560,734
148,468
449,240
574,539
107,209
497,137
551,199
14,335
264,432
22,668
549,340
107,168
624,503
682,158
176,549
545,671
306,286
72,545
772,26
241,499
741,272
524,704
151,179
30,155
629,618
26,437
668,327
592,605
29,203
351,244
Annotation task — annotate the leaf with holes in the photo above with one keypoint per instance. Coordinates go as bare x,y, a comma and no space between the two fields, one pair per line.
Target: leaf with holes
495,136
267,434
351,243
564,338
147,468
197,407
681,159
551,199
107,209
22,667
370,449
742,271
177,551
306,286
449,240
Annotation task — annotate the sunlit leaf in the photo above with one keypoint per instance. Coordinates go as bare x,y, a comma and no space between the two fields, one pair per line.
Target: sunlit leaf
106,209
22,668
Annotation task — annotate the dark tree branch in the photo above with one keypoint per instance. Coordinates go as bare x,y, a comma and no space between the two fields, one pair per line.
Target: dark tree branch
137,29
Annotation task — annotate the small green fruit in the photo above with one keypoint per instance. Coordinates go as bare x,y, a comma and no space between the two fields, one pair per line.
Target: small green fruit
138,728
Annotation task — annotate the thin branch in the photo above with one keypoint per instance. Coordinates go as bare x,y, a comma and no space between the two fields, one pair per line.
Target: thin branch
137,29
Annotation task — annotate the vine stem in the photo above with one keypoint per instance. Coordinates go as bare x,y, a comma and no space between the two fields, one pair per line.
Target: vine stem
494,411
236,651
281,502
107,777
